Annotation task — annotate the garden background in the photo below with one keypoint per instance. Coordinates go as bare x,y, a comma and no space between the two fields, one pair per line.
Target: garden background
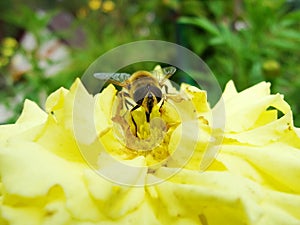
46,44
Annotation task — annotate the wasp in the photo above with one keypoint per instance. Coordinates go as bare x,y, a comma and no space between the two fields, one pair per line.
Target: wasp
143,87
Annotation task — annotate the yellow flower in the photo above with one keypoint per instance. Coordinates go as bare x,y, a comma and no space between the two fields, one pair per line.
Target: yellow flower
8,49
94,4
271,69
58,167
9,42
108,6
7,52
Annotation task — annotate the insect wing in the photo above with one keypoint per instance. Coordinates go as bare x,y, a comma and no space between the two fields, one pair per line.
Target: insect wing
168,72
163,74
115,78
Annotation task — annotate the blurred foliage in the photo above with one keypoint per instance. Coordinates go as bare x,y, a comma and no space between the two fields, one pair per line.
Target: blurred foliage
244,40
249,41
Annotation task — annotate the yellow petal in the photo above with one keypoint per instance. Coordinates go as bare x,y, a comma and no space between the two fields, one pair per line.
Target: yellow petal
18,216
56,100
60,141
264,134
244,108
229,91
197,96
74,110
47,171
31,119
254,179
278,164
103,109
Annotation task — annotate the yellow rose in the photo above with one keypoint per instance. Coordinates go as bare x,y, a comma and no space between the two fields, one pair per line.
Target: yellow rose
70,164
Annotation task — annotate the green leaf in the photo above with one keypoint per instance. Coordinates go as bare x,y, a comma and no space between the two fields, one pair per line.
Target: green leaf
289,33
203,23
28,19
294,15
216,41
283,44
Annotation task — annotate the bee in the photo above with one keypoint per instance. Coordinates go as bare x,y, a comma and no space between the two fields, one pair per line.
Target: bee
143,87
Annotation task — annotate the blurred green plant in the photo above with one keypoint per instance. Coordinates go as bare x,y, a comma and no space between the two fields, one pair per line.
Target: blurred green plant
248,41
23,75
85,32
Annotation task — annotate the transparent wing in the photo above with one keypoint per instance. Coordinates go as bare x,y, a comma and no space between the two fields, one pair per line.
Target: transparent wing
164,74
115,78
168,72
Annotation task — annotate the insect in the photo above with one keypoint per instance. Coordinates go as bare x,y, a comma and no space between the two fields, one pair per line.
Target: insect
143,87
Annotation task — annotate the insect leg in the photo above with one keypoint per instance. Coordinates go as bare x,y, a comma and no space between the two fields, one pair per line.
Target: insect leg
134,123
147,117
166,88
173,96
163,101
128,103
123,96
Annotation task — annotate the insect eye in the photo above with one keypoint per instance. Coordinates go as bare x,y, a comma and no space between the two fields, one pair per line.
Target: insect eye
139,94
156,91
